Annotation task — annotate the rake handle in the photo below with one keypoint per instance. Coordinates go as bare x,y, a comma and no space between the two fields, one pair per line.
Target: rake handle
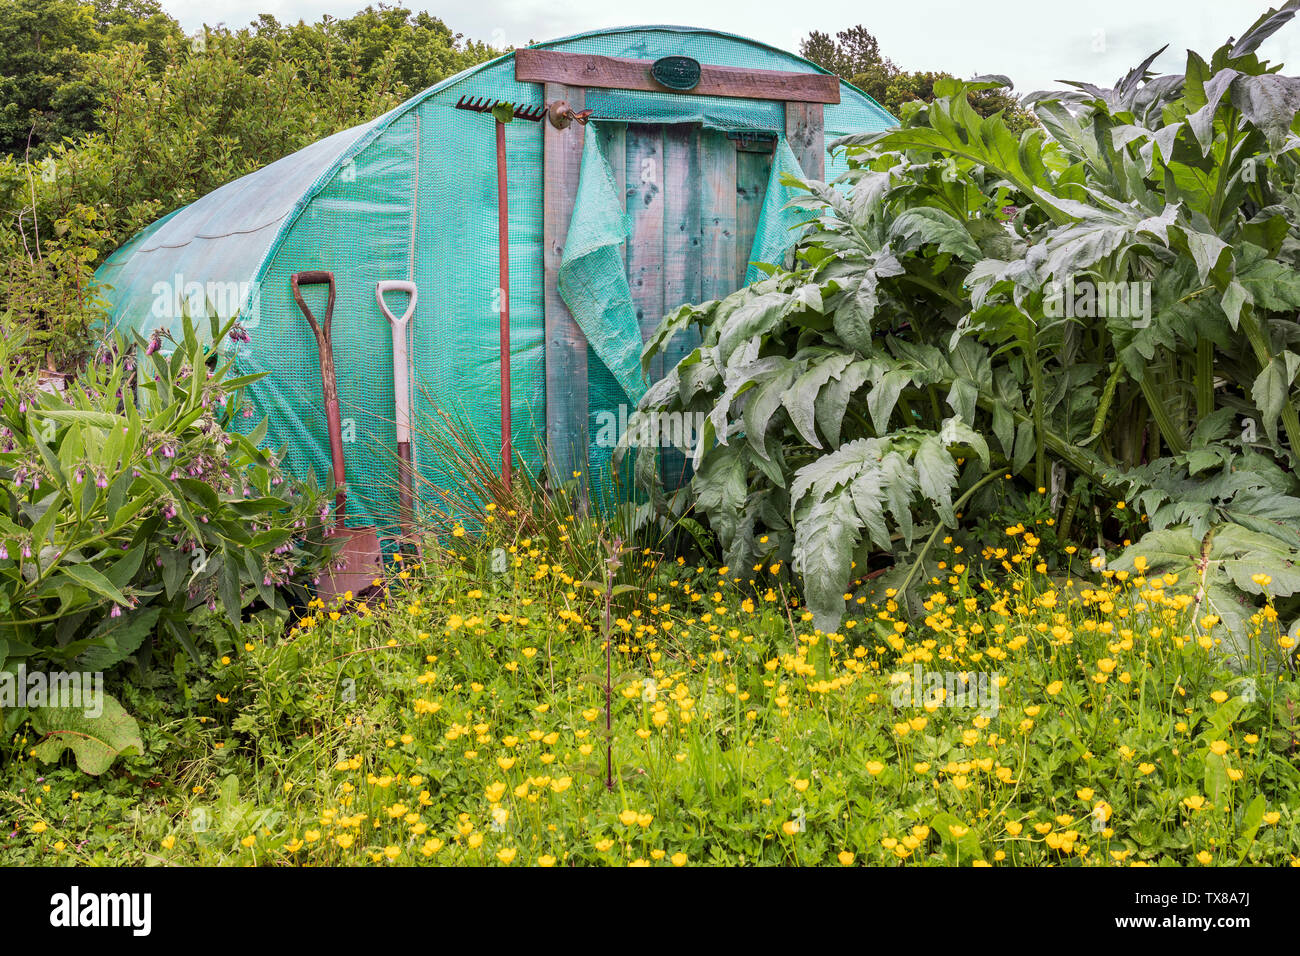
503,258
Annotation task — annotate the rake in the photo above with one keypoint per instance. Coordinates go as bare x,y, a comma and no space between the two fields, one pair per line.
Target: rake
503,113
485,104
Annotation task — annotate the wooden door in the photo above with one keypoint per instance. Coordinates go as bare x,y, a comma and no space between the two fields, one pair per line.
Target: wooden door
693,196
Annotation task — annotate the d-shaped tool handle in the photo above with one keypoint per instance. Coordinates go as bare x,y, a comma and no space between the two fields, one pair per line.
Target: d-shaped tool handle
401,365
315,277
397,285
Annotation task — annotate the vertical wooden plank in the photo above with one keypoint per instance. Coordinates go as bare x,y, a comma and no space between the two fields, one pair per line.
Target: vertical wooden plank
566,346
684,263
752,171
805,132
645,209
718,184
683,266
613,140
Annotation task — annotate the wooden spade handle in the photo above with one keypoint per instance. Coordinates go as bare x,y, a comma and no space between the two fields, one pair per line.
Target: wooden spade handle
329,384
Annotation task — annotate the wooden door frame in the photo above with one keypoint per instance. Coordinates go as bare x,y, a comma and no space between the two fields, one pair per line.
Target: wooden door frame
567,76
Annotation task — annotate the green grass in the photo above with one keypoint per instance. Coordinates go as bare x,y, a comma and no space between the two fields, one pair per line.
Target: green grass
462,722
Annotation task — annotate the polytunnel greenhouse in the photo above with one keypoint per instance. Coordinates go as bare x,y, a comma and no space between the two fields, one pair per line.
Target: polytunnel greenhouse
641,169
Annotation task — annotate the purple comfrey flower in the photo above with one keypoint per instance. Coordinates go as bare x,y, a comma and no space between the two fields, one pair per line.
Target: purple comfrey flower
116,612
4,552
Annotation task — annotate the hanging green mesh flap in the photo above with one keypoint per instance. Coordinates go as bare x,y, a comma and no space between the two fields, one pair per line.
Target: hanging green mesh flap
593,279
778,223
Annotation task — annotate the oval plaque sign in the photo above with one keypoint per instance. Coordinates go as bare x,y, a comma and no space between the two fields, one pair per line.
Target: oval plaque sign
679,73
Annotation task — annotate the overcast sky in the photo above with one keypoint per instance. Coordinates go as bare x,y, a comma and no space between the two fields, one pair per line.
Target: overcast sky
1035,42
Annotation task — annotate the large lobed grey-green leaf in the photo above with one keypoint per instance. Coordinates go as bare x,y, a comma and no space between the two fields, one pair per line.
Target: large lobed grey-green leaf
937,474
1272,389
800,399
751,317
926,225
721,488
1270,102
826,534
95,741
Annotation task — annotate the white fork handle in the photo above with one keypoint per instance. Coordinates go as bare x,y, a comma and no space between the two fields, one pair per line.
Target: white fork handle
401,364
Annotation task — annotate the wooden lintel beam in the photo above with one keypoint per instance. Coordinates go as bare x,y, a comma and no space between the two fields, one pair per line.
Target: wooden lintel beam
590,70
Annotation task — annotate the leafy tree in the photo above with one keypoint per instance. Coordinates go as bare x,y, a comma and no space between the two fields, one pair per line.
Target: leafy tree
175,117
43,59
40,50
415,50
852,52
854,55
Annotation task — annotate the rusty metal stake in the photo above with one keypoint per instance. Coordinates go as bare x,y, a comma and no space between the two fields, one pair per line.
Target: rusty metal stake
503,112
503,259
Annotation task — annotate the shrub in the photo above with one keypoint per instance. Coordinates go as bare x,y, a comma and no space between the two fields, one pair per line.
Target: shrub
126,508
944,324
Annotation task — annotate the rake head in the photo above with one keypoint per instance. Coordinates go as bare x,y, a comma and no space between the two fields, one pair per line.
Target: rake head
485,104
